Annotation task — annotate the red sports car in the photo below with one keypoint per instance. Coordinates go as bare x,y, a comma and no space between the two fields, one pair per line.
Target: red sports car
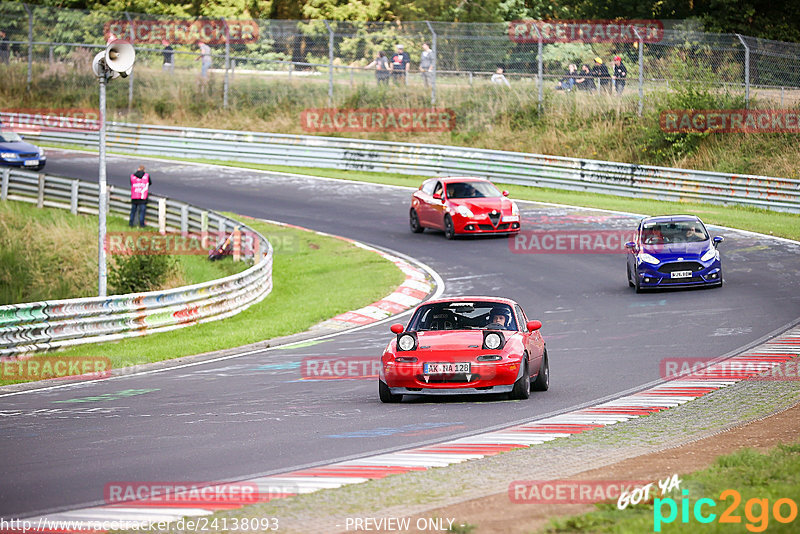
463,206
465,345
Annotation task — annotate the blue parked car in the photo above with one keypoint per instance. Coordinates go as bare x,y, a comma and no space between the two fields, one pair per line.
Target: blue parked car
673,251
17,153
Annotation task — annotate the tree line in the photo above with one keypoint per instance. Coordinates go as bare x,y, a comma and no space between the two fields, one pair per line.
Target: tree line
759,18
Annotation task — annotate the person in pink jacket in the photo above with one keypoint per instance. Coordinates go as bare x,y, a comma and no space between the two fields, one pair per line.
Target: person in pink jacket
140,187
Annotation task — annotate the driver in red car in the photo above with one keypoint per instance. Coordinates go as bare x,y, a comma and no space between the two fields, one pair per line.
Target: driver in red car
499,319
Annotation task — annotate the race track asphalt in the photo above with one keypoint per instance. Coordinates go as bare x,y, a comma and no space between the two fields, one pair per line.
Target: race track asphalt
255,414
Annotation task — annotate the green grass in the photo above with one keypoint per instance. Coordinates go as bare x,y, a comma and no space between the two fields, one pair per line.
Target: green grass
314,278
487,116
768,222
50,254
753,475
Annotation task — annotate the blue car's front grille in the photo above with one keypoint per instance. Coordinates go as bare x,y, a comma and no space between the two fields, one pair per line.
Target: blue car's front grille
680,266
692,280
28,155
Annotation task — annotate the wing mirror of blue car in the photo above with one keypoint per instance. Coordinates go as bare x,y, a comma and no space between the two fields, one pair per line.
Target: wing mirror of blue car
505,193
397,328
717,239
630,245
534,325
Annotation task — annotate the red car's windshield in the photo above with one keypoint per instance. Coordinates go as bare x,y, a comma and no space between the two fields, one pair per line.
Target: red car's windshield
463,316
472,190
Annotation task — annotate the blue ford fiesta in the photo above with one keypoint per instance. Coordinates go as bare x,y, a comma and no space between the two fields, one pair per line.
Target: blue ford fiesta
17,153
673,251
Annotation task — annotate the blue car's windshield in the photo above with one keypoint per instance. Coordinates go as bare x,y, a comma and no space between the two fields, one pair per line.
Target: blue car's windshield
463,316
472,190
673,232
9,137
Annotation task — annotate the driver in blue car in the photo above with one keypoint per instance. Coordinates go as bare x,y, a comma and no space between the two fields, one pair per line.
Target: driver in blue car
692,234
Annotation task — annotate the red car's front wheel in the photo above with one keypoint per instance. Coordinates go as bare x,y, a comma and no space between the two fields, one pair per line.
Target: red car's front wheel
449,228
386,394
413,222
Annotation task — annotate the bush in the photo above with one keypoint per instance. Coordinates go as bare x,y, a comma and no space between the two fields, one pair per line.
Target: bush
140,272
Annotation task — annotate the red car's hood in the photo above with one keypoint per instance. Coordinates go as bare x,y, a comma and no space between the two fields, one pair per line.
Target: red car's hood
484,205
452,340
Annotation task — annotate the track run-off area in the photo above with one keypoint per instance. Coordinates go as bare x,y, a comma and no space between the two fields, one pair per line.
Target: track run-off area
257,414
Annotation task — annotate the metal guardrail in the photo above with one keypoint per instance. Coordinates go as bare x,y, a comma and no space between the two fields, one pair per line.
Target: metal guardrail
41,326
622,179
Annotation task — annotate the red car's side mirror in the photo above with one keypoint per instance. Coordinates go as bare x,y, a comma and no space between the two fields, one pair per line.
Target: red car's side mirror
505,193
437,196
534,325
397,328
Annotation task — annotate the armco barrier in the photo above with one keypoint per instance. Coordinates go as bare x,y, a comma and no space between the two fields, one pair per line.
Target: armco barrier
623,179
39,326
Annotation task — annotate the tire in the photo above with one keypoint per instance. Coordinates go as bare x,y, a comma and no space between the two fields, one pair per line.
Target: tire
636,283
522,387
542,382
386,395
449,229
413,222
630,283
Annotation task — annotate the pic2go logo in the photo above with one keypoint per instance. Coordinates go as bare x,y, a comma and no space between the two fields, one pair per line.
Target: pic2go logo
756,511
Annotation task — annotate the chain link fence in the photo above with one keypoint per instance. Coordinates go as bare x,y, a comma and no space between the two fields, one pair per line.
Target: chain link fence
261,64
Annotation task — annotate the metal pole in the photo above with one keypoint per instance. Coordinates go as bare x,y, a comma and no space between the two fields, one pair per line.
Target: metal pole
435,66
540,75
330,63
30,44
746,71
227,64
103,200
130,76
641,71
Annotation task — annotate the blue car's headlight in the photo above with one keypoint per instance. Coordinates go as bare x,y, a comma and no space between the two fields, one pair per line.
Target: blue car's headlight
709,254
41,153
647,258
8,155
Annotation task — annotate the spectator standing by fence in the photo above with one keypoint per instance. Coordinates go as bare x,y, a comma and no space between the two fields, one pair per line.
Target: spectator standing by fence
140,188
600,71
426,64
169,56
401,63
620,74
4,50
205,61
381,66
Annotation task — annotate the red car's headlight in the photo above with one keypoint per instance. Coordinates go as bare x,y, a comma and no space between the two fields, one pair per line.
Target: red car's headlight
406,341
